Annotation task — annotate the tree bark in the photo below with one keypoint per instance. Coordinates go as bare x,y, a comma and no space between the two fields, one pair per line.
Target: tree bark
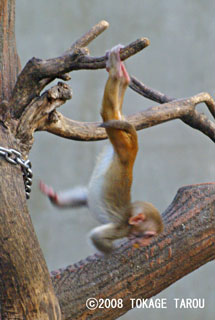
9,60
26,290
187,242
25,287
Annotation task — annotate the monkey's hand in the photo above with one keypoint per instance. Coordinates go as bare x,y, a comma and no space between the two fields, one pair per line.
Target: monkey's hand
103,237
142,240
48,191
72,198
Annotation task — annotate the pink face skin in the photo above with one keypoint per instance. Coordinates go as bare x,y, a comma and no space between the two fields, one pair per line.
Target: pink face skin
143,229
48,191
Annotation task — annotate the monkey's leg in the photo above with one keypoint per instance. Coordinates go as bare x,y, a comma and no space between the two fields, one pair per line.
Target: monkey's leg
115,84
117,70
124,144
125,80
72,198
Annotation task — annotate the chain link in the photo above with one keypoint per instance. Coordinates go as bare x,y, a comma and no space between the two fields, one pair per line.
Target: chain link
15,157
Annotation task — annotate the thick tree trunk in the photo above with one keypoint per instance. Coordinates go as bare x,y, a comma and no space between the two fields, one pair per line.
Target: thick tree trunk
26,290
9,60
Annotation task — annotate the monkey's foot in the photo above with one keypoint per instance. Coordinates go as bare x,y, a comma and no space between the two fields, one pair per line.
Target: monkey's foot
115,66
48,191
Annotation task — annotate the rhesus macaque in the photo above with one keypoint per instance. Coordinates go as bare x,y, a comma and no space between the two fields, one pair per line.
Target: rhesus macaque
108,195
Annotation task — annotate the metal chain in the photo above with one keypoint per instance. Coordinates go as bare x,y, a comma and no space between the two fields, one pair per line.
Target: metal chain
15,157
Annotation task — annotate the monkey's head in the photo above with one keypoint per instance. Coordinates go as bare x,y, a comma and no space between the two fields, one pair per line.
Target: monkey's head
145,220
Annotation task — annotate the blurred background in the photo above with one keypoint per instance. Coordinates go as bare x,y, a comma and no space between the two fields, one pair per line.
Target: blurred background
179,62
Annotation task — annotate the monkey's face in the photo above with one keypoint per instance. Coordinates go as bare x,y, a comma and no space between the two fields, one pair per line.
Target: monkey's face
145,220
146,228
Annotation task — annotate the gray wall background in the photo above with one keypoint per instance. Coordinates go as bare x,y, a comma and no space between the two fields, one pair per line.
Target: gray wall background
180,62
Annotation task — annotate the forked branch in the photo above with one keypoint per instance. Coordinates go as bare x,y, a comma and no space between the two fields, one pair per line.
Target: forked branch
38,73
35,112
183,109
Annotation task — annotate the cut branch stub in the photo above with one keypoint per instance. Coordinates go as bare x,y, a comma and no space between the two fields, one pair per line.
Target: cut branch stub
34,77
89,36
37,113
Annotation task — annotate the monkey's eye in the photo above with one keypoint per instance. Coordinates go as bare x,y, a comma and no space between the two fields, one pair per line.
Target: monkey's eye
147,236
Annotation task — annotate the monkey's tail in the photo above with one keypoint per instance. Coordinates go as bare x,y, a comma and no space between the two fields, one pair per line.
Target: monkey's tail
124,126
119,125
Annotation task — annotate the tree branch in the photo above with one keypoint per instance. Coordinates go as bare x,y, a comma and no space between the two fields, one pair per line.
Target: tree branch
37,112
148,92
89,36
196,120
183,109
130,272
38,73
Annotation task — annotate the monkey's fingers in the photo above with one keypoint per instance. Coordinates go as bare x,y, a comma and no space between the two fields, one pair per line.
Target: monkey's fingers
125,73
48,191
141,242
44,188
119,125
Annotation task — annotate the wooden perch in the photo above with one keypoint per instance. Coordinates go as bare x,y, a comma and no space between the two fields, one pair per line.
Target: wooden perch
187,242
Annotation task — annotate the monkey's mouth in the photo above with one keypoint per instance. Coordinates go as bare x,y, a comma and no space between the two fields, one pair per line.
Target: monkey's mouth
145,235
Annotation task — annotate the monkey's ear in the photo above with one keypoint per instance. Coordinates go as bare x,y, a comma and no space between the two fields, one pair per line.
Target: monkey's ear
135,220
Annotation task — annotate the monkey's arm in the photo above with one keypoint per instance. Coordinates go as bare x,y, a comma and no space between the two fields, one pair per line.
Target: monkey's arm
71,198
103,236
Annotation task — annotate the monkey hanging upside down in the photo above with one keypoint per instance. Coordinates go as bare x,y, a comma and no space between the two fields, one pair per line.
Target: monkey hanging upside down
108,195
